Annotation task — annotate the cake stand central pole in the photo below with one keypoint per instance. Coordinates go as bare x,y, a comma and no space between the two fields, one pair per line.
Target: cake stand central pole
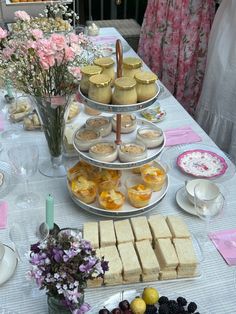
119,61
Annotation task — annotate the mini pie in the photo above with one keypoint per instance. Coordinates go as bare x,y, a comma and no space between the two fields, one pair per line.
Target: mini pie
111,200
139,195
153,177
84,189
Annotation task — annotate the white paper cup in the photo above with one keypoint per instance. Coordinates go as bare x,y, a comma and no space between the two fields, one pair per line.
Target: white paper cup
2,252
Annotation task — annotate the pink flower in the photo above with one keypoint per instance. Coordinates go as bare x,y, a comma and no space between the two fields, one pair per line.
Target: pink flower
45,45
47,61
75,71
30,44
8,52
3,33
22,15
74,38
58,41
37,33
69,54
76,48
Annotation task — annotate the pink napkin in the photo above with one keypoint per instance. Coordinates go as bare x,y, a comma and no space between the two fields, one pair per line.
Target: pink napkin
225,242
1,122
103,39
3,214
183,135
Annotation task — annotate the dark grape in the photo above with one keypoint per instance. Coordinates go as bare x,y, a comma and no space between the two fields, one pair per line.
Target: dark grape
124,305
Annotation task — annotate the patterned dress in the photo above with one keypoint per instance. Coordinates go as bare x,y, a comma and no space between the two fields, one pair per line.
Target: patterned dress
173,43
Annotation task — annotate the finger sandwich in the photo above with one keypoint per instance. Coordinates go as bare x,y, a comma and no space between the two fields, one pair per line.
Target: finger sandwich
148,261
114,275
177,227
131,268
166,254
187,258
107,233
123,231
159,227
141,228
90,233
167,274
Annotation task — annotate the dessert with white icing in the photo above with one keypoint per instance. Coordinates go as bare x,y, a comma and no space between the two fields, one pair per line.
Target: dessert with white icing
129,152
151,137
104,151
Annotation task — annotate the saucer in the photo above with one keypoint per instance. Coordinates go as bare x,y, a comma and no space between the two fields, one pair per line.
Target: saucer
8,265
184,203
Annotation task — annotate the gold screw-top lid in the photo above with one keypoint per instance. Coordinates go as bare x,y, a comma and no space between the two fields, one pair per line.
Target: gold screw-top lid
145,77
125,82
100,80
104,62
132,63
91,70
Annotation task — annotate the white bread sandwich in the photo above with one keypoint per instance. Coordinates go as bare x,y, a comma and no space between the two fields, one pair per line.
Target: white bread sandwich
178,227
107,233
141,228
123,231
90,233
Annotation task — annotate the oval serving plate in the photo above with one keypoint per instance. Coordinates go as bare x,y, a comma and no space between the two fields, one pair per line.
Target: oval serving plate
202,163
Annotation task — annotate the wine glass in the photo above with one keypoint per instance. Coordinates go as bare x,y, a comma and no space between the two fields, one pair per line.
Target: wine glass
24,159
208,202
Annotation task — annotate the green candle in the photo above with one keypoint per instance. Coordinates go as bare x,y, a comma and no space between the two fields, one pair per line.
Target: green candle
50,212
9,88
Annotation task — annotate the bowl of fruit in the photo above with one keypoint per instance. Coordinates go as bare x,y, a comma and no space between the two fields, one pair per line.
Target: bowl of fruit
148,302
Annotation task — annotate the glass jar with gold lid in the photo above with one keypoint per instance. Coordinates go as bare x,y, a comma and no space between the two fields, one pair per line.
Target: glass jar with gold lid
107,65
100,88
87,71
131,66
146,85
124,91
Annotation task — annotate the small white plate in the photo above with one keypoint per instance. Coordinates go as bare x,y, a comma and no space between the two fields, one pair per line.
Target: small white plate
184,203
8,265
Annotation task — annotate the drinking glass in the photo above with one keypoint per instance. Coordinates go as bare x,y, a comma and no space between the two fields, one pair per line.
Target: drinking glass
24,159
208,202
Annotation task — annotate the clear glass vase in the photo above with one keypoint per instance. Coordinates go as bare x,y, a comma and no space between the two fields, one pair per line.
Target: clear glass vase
56,306
51,110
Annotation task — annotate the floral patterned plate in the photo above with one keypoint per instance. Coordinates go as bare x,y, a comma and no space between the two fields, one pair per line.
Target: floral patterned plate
202,163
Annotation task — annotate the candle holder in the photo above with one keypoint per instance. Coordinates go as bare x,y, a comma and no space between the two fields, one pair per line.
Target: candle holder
55,230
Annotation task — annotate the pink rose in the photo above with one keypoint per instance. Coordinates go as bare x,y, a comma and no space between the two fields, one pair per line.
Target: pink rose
22,15
45,45
74,38
69,54
58,41
37,33
3,33
47,61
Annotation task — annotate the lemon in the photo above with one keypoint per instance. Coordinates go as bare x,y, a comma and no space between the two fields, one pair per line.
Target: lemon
150,295
138,306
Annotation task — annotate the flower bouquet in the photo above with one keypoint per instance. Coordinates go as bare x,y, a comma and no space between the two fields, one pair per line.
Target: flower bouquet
48,69
62,265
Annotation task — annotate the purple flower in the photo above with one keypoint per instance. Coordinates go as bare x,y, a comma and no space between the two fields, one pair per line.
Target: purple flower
104,265
89,265
35,247
85,307
57,254
69,254
86,245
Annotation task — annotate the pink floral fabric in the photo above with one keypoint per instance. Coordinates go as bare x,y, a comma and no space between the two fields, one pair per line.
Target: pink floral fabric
173,43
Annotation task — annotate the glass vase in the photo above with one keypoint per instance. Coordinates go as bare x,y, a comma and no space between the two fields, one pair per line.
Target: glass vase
56,306
51,110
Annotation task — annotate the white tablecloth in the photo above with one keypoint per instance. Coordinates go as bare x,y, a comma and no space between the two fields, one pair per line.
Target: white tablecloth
215,290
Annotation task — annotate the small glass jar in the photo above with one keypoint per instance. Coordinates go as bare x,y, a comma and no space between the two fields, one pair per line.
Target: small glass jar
90,111
125,91
154,177
107,65
104,151
146,85
100,88
128,123
139,194
131,66
99,124
130,152
84,138
87,72
150,136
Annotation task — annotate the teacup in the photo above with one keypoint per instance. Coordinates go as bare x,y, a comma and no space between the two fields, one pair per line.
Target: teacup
2,252
206,185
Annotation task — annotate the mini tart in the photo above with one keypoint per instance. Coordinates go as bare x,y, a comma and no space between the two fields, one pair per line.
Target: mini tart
128,123
129,152
84,189
111,200
99,124
104,151
139,195
151,137
153,177
84,138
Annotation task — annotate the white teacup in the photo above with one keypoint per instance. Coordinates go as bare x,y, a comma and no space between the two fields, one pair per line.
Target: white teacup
207,185
2,252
